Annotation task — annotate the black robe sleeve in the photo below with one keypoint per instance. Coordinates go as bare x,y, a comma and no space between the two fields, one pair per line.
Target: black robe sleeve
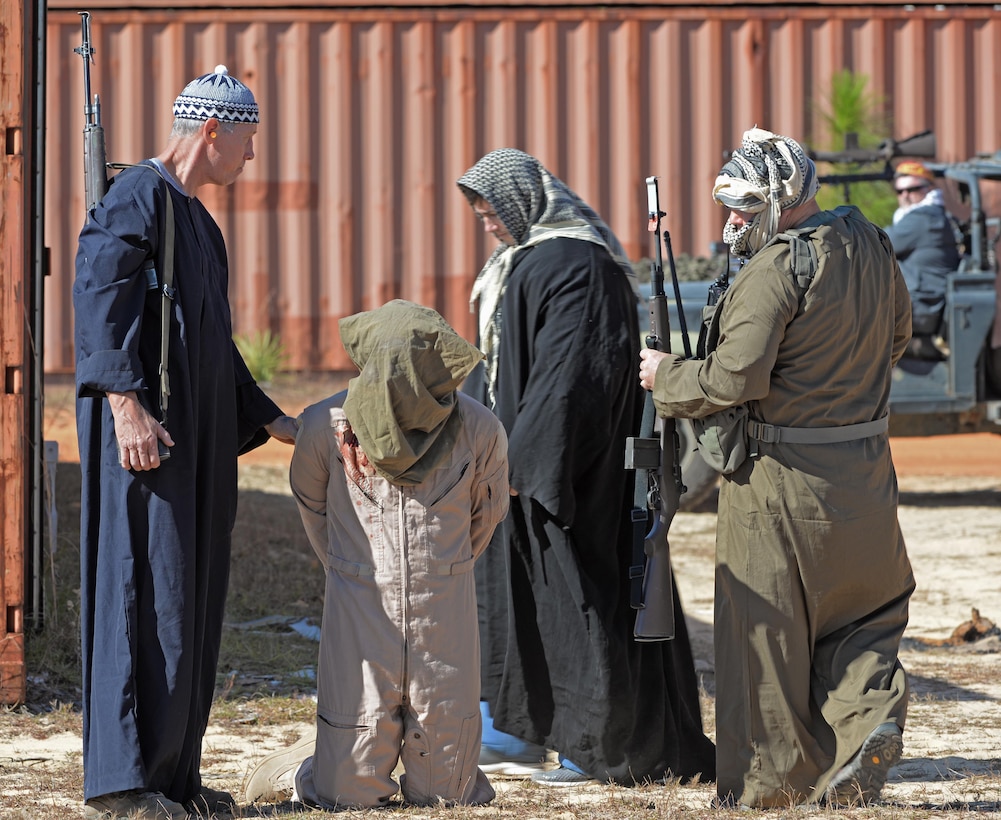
567,385
253,407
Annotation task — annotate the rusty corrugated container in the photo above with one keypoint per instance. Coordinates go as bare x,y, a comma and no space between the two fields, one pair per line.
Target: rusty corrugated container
370,114
16,78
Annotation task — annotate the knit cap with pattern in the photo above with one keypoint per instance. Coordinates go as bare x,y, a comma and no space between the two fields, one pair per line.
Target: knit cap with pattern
217,95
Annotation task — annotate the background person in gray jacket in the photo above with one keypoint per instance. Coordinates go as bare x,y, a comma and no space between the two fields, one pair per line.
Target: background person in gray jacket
924,242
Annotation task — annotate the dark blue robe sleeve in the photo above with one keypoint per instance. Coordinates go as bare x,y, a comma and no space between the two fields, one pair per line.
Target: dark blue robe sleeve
110,286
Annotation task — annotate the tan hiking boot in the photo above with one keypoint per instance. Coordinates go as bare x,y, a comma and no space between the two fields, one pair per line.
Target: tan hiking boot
862,780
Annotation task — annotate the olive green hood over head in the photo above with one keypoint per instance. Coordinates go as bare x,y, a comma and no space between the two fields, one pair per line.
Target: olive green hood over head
402,406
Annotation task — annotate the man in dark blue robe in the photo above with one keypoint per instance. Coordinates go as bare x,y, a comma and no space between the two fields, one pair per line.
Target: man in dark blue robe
155,532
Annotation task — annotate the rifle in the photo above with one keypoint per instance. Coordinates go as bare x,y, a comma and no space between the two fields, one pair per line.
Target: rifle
96,184
95,158
717,288
658,457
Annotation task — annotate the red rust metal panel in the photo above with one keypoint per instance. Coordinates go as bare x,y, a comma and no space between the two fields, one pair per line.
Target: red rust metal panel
15,287
476,6
370,115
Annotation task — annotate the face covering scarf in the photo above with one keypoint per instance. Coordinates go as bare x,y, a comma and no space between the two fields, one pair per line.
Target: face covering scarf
768,174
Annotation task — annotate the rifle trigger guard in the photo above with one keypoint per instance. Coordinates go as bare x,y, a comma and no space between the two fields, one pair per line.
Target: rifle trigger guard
653,498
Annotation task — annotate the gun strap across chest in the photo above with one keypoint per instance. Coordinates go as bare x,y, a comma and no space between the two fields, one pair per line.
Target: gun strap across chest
165,286
804,261
803,265
166,304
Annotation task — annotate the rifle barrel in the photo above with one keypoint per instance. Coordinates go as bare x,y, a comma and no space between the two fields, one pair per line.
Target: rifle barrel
86,50
95,160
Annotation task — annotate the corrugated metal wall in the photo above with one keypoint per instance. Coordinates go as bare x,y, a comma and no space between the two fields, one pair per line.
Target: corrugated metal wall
369,116
18,79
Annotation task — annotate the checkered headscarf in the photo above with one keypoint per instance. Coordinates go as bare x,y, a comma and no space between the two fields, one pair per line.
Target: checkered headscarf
534,206
768,174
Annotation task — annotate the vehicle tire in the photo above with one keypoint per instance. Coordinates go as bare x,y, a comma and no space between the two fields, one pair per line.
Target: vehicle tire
992,369
700,479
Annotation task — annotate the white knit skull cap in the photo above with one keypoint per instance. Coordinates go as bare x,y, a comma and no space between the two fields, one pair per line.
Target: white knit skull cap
217,95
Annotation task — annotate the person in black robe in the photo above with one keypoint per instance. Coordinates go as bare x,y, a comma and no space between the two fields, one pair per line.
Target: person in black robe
155,530
559,326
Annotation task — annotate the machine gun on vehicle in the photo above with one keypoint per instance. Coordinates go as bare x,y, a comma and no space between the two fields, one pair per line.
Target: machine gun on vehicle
962,392
873,165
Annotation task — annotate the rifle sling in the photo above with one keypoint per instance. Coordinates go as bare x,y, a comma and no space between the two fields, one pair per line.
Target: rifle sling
640,514
167,286
166,299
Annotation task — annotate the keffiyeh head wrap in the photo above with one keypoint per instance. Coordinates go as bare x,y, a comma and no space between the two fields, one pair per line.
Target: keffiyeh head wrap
768,174
403,406
534,206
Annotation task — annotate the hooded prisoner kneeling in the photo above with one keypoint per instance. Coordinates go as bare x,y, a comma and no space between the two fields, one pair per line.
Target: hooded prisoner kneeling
400,482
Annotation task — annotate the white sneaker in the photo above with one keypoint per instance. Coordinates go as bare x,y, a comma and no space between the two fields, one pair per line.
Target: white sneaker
562,777
493,762
273,779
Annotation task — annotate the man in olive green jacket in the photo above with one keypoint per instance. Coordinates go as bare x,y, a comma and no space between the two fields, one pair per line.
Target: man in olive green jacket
812,576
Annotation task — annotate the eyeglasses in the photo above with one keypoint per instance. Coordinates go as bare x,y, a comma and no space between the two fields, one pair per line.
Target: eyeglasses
911,190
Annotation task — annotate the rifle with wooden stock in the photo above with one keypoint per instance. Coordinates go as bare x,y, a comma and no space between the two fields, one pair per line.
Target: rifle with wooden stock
96,184
655,455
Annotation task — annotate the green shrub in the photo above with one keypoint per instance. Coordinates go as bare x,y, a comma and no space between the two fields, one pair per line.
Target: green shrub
852,109
264,354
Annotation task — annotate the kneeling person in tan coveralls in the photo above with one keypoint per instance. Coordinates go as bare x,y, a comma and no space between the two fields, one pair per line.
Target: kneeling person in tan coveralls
400,482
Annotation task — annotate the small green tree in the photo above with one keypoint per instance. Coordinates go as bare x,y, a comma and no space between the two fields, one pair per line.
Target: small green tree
852,109
264,354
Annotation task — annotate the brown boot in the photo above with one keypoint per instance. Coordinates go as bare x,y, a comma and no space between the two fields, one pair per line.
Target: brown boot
861,781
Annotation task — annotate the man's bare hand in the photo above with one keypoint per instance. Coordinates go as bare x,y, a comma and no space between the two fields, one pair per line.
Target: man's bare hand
137,432
284,429
649,362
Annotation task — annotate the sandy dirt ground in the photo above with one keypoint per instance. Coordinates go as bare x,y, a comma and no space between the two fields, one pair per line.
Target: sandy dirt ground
950,513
